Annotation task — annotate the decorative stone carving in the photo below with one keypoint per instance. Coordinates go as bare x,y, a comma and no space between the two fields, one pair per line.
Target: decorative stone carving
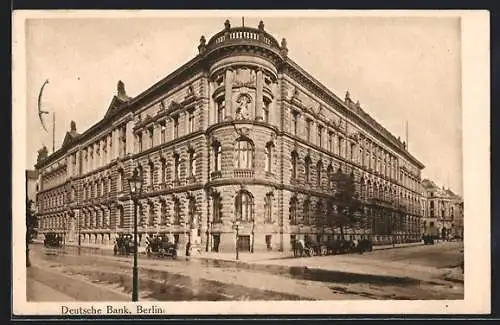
261,26
190,91
43,153
284,48
202,46
243,108
244,78
290,92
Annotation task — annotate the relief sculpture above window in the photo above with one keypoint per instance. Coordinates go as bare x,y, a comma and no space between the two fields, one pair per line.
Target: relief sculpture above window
244,78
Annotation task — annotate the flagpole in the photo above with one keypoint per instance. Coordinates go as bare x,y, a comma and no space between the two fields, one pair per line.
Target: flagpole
407,145
53,132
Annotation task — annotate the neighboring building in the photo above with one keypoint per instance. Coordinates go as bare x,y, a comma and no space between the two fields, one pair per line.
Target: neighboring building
239,133
31,185
444,210
32,189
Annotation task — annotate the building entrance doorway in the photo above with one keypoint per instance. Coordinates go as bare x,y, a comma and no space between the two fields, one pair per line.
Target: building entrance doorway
244,243
216,242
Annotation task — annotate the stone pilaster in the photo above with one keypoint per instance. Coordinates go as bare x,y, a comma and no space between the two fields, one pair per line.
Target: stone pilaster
228,82
130,137
258,97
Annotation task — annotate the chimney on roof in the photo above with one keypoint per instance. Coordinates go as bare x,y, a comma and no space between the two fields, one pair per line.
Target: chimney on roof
73,126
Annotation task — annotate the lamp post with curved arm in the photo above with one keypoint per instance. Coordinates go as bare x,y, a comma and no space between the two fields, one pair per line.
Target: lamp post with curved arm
135,182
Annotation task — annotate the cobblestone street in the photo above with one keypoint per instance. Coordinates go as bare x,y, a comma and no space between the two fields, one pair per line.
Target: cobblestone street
419,272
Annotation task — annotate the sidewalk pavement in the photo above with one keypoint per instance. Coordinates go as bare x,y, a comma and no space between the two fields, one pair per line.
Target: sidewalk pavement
276,255
39,292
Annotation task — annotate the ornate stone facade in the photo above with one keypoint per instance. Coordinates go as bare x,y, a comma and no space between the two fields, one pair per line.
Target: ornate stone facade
239,133
443,210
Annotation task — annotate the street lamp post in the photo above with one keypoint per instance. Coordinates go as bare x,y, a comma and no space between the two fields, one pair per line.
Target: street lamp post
135,182
236,226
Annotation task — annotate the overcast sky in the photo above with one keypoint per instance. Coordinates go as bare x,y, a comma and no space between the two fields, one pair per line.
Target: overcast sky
398,68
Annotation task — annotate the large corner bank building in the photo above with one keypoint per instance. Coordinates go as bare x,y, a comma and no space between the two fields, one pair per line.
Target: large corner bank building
240,135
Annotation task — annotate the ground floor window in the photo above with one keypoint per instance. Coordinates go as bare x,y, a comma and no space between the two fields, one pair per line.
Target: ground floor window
176,238
268,242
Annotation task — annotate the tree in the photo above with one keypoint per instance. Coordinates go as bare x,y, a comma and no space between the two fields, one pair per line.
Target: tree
347,201
31,224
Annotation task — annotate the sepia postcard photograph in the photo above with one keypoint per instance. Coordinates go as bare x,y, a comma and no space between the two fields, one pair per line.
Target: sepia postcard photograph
250,162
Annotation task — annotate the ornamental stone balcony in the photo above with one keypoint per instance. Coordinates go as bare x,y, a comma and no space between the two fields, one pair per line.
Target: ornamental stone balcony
244,173
215,175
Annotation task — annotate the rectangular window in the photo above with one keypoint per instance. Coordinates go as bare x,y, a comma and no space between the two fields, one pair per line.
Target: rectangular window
220,109
295,122
150,134
217,157
268,242
163,128
176,127
177,168
216,208
308,130
192,164
191,122
268,161
320,136
265,110
139,141
330,142
123,138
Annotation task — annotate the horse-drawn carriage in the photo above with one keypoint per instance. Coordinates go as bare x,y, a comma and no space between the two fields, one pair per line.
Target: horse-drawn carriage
160,246
124,245
52,243
330,247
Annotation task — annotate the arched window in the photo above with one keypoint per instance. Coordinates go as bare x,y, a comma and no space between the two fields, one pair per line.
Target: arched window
121,217
163,171
243,154
265,109
177,211
294,164
191,210
243,205
268,218
306,212
307,168
329,175
151,217
119,181
192,163
293,210
220,109
216,208
320,213
217,157
177,167
269,153
140,170
319,167
163,212
151,170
